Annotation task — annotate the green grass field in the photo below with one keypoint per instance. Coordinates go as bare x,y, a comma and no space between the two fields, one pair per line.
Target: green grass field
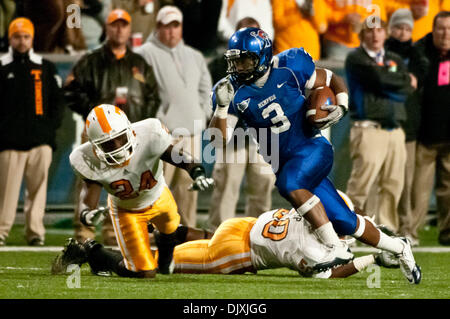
26,275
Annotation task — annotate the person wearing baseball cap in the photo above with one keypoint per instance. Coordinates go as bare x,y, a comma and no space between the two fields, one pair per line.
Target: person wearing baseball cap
401,26
184,85
31,114
118,31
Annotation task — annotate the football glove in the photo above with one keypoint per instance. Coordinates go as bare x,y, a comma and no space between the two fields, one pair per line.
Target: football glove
224,93
93,217
201,182
336,113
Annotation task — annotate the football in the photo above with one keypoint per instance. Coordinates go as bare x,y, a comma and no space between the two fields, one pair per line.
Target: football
318,97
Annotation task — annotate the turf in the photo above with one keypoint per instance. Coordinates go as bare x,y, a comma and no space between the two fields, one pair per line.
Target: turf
26,275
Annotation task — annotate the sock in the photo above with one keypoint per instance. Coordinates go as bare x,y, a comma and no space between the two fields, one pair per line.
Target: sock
392,244
327,234
361,263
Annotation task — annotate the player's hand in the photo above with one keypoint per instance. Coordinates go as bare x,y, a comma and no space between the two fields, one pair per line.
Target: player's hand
336,113
224,93
93,217
202,183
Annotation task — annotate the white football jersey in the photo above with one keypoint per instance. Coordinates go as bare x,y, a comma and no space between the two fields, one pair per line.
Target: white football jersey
138,184
281,238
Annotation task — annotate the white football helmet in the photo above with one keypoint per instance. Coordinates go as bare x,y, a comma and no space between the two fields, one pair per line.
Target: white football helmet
109,131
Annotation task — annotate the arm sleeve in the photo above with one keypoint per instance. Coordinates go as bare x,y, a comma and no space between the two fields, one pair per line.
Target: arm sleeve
76,91
377,78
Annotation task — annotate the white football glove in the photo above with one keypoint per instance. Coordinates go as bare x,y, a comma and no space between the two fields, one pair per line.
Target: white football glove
336,113
224,93
93,217
201,182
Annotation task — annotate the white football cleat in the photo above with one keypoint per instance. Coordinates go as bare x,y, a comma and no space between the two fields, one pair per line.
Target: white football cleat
407,263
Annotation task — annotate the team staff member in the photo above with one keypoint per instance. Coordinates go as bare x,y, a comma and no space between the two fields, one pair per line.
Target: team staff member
112,74
30,113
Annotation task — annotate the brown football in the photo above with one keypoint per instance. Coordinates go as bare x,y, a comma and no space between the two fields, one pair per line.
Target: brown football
317,98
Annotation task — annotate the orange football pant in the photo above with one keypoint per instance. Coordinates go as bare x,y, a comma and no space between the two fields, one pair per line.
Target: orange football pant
227,252
132,235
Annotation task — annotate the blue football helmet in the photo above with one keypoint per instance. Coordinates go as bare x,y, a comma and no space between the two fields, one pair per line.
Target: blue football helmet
249,55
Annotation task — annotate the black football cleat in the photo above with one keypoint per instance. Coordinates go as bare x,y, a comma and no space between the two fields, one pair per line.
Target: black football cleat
73,253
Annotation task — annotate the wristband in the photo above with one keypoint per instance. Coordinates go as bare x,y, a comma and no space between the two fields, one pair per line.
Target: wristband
221,112
196,172
342,99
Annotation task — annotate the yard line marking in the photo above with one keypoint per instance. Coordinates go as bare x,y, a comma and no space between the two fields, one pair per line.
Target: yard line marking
353,249
22,268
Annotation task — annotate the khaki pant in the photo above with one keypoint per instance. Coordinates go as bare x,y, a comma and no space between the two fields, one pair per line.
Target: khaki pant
377,152
179,181
32,165
83,232
228,177
405,212
431,161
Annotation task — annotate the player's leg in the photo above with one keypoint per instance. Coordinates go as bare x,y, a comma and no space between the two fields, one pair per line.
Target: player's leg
296,180
227,252
133,239
164,215
346,222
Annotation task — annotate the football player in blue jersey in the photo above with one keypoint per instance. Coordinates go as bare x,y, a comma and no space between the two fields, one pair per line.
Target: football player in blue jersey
267,93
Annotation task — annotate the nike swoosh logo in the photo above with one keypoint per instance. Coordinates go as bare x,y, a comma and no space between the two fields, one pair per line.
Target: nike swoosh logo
280,85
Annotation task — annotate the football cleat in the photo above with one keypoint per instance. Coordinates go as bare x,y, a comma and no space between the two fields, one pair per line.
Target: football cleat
342,256
408,265
166,244
73,253
89,245
386,259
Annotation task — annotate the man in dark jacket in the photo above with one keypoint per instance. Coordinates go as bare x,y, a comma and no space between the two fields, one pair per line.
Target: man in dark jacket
378,84
431,64
30,113
112,74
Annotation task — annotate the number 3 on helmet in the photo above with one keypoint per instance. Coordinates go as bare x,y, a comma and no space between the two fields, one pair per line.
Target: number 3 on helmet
109,131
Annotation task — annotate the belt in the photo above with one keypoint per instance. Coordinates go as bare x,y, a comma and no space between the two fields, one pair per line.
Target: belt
367,124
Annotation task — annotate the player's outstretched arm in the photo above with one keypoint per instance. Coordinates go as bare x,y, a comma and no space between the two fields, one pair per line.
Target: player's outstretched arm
187,162
325,77
89,214
221,97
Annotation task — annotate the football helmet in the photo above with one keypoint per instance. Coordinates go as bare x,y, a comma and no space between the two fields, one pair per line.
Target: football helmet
249,55
109,131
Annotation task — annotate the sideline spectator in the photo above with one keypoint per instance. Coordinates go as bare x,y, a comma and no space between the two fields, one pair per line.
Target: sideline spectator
378,84
143,13
344,24
30,113
112,74
235,10
184,84
299,23
431,64
401,26
242,159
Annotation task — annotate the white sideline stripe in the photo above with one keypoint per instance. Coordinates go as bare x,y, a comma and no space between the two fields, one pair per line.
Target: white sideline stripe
354,249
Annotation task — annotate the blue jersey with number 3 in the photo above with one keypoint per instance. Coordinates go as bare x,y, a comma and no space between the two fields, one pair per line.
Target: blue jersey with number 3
279,106
277,111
